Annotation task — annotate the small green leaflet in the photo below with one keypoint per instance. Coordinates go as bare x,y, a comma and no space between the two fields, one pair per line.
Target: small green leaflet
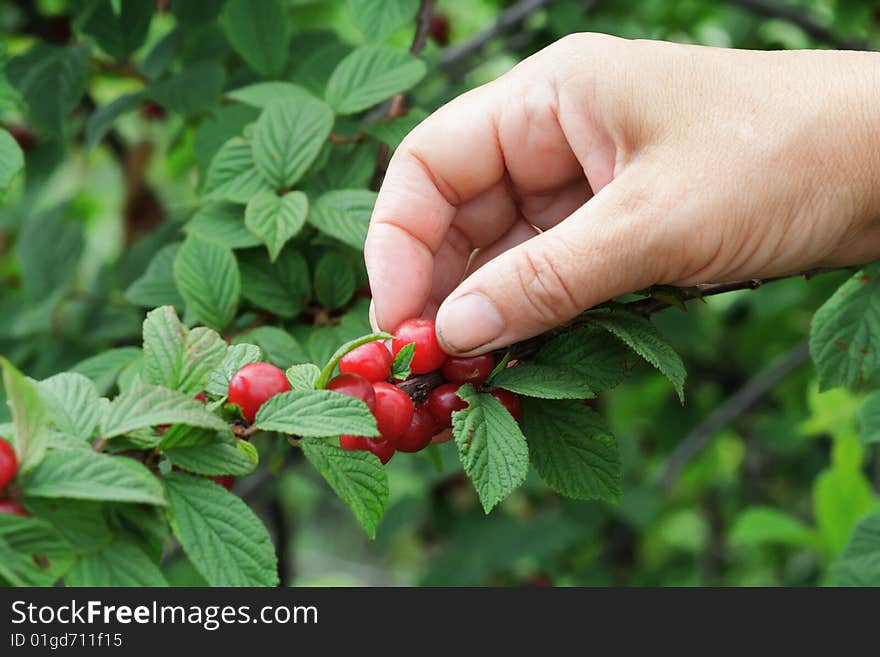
72,403
303,377
149,406
236,357
335,280
105,367
379,19
207,276
263,94
869,419
11,159
224,540
218,458
572,449
640,335
845,332
344,214
118,564
191,91
316,413
544,381
99,123
400,365
859,563
330,367
29,417
357,477
258,31
119,28
177,357
279,347
283,287
155,287
232,174
224,223
599,358
491,446
764,525
275,219
88,475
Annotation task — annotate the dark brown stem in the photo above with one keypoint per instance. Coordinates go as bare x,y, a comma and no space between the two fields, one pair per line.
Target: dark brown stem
244,430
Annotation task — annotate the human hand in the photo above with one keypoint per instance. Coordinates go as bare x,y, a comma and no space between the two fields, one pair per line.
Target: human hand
600,166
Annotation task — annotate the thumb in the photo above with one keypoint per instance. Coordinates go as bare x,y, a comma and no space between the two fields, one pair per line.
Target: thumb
607,247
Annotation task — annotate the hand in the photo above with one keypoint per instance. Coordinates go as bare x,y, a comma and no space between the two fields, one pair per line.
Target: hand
600,166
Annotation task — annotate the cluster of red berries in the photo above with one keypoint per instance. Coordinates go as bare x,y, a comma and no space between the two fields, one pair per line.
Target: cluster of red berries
8,470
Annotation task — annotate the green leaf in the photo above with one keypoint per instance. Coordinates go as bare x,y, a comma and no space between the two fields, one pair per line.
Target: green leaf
32,536
640,335
303,377
379,19
400,365
263,94
193,13
103,368
236,357
119,28
223,223
101,120
543,381
30,433
176,357
491,446
760,525
224,540
393,131
845,332
232,174
842,496
150,406
344,214
206,274
72,403
859,563
869,419
218,458
11,159
357,477
370,75
155,287
335,280
224,123
288,137
275,219
599,358
19,569
572,449
279,347
191,91
80,522
118,564
259,33
49,249
283,288
88,475
330,367
316,413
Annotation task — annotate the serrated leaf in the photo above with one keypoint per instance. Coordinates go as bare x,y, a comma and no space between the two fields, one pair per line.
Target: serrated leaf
845,332
276,219
219,458
192,90
224,540
869,419
597,356
32,536
176,357
182,435
572,449
259,33
344,214
207,276
335,280
19,569
330,367
30,433
232,174
288,137
224,223
370,75
859,563
150,406
11,159
88,475
543,381
357,477
316,413
303,377
155,287
236,357
72,403
103,368
400,365
224,123
282,288
760,525
263,94
379,19
80,522
490,445
119,564
640,335
279,347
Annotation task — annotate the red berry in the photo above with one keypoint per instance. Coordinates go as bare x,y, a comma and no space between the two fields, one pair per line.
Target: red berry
442,401
371,361
384,449
224,480
202,398
253,385
24,136
354,385
394,410
153,111
428,355
8,463
13,508
510,401
468,370
421,429
439,29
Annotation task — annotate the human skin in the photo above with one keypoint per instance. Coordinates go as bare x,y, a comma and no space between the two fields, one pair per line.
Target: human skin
600,166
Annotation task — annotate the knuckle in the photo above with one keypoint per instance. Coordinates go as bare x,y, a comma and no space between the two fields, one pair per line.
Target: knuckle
544,288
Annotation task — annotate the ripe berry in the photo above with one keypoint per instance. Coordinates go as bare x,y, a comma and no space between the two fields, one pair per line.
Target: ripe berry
439,29
510,401
421,429
371,361
384,449
428,355
442,401
354,385
153,111
202,398
13,508
253,384
394,410
224,480
8,463
468,370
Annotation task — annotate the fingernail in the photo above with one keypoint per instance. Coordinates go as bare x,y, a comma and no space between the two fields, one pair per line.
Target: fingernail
372,314
468,322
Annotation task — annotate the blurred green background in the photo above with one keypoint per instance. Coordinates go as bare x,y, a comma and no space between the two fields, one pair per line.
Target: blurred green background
766,494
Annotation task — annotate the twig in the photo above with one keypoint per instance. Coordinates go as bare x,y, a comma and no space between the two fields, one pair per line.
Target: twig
733,407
